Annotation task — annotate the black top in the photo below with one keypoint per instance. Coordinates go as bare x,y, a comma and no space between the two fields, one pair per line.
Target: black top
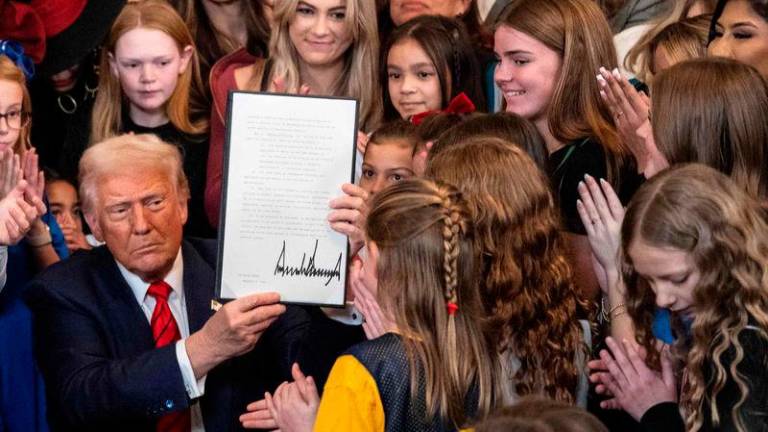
386,360
567,166
753,369
194,151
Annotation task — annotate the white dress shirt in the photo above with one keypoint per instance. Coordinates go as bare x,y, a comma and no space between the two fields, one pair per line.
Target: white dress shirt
175,278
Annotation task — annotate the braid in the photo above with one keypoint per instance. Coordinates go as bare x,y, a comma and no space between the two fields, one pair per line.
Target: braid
453,222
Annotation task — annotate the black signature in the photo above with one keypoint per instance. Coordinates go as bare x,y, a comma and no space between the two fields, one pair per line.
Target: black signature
309,270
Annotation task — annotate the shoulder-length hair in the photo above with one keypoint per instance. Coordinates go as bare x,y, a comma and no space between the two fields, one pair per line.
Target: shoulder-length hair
446,43
714,111
424,234
9,72
360,60
526,284
107,110
700,211
578,31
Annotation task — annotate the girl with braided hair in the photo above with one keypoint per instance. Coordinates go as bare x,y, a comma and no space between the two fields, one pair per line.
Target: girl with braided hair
431,370
530,302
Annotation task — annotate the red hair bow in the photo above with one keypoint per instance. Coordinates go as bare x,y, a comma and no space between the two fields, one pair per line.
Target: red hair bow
461,104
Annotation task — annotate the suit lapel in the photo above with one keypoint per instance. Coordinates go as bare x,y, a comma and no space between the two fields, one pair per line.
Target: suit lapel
199,282
130,326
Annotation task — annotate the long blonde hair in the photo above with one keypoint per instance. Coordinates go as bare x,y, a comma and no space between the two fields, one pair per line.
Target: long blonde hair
578,32
427,260
526,287
358,79
107,110
9,72
698,210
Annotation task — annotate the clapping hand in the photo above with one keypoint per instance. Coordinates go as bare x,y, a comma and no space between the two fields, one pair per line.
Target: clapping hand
634,386
292,408
602,214
631,114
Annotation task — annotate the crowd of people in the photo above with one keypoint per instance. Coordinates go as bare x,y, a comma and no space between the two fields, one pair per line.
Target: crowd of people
558,222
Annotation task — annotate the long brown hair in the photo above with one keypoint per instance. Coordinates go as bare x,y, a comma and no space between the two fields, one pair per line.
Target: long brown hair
360,60
695,209
211,44
107,109
714,111
526,284
424,235
578,31
446,42
9,72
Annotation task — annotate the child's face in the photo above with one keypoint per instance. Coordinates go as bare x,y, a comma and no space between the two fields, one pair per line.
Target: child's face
320,32
11,99
385,164
414,86
65,204
526,73
148,63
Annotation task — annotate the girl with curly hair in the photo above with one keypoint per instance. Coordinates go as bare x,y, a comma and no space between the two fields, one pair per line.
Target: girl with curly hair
697,244
526,287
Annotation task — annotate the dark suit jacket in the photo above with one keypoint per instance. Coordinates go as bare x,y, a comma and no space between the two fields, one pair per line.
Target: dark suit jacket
95,348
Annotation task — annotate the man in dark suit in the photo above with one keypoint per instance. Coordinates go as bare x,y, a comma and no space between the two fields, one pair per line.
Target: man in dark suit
124,334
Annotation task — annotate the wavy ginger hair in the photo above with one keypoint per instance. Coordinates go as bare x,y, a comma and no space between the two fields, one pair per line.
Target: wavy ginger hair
9,72
360,60
107,110
698,210
527,292
578,32
424,235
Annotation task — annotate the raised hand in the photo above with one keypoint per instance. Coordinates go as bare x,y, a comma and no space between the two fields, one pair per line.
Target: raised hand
32,174
16,215
279,86
348,213
10,172
602,214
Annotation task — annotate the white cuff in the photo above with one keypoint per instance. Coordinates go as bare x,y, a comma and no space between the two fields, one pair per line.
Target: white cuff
195,388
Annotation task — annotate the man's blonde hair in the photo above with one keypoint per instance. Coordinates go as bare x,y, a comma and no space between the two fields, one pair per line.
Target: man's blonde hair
129,154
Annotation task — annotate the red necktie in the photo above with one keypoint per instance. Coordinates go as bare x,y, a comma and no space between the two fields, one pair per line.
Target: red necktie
165,331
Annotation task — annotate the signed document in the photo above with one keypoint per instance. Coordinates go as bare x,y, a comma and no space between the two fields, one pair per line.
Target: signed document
286,157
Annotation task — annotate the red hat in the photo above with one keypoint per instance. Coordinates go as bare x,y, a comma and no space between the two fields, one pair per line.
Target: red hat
57,15
73,29
22,24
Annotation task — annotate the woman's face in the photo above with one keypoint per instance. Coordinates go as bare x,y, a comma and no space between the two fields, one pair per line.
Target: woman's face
320,32
742,34
412,80
11,99
526,73
403,11
671,274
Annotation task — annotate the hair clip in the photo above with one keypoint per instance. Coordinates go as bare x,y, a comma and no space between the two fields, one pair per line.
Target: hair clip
452,308
15,51
461,104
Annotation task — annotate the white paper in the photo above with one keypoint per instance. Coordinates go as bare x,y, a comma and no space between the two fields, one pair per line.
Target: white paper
287,158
